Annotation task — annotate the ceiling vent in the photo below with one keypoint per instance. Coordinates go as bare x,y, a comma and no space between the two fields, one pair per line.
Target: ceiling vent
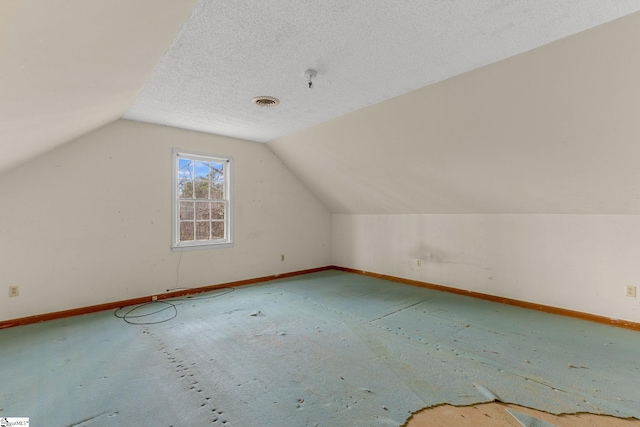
266,101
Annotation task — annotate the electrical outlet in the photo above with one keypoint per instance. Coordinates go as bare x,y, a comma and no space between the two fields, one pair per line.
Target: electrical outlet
630,291
419,262
14,291
154,298
282,257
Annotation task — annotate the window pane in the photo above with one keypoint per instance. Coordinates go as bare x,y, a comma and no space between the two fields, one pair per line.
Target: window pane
217,210
202,210
185,189
202,230
217,230
217,172
185,169
217,190
186,210
202,170
186,231
202,188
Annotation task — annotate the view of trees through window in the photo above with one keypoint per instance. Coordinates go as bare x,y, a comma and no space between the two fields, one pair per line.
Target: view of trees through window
202,200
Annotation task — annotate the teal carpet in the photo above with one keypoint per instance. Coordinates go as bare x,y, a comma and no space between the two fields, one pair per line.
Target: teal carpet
324,349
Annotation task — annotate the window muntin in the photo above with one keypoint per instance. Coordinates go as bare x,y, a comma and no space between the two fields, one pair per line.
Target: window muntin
202,200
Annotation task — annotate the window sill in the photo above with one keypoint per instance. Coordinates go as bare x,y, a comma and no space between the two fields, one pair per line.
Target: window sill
201,246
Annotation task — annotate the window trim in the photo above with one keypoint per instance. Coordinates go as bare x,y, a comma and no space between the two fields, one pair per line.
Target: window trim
176,244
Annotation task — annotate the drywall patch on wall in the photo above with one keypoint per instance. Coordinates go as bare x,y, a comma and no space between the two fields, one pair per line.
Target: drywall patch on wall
576,262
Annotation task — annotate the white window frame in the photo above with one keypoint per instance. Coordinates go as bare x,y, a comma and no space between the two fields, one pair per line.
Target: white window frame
227,241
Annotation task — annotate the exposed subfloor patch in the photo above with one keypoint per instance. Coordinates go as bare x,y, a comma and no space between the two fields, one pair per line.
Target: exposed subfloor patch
498,414
325,349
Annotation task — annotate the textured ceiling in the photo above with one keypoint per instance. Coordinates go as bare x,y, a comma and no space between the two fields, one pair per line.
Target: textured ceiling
554,130
365,52
68,67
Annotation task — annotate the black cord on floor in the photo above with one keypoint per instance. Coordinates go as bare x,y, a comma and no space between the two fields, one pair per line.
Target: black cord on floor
130,318
126,316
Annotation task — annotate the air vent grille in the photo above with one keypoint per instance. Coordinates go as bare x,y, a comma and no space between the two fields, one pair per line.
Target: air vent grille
265,101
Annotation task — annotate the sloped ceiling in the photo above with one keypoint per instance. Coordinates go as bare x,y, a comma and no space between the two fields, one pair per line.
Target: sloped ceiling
70,66
554,130
364,52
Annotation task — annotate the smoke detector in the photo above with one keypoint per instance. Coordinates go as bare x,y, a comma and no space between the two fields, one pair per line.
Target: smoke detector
266,101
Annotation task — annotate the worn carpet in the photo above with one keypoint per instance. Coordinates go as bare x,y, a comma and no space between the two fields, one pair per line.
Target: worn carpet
324,349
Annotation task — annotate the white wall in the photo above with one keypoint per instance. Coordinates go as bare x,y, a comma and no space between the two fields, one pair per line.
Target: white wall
552,131
90,222
518,179
577,262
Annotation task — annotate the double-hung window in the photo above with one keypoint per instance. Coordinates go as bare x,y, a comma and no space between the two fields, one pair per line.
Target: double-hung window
202,200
